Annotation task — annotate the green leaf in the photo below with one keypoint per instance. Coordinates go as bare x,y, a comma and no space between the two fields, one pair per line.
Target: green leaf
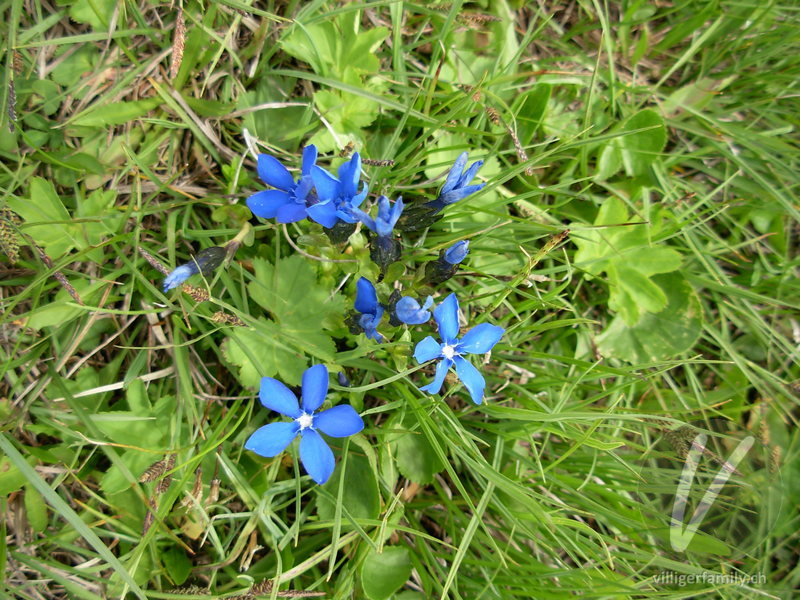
656,260
55,232
115,113
658,336
97,13
360,493
301,308
62,310
382,574
623,251
35,509
416,459
647,295
531,111
69,71
11,479
641,140
177,564
261,352
358,49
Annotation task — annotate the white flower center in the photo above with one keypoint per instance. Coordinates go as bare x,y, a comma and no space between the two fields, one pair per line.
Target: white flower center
448,351
305,420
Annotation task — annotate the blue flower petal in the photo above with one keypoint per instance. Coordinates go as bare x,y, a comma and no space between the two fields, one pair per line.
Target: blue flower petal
323,213
471,378
276,396
470,173
454,176
291,213
366,297
368,221
272,439
304,186
428,303
409,311
309,158
315,387
460,193
356,201
427,349
446,315
397,210
339,421
457,252
179,275
441,372
480,339
272,172
349,174
316,456
327,185
266,204
370,322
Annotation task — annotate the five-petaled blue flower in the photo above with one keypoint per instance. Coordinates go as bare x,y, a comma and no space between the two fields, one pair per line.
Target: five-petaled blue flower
478,340
456,186
388,215
290,201
371,311
315,454
457,252
337,197
410,312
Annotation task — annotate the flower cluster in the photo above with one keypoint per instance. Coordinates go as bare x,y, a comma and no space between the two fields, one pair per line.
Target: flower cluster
335,203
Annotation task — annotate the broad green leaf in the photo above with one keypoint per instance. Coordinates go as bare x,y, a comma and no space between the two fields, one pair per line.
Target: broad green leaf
646,294
360,494
35,509
315,44
531,111
11,479
255,352
658,336
694,96
641,139
657,260
97,13
382,574
115,113
177,564
69,71
62,309
358,49
54,231
415,458
302,309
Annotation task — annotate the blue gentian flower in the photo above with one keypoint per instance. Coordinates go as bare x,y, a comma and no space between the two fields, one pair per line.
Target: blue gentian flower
388,215
315,454
410,312
456,187
337,197
478,340
371,311
290,201
457,252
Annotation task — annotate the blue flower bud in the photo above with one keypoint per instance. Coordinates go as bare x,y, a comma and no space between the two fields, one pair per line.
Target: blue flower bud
179,275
